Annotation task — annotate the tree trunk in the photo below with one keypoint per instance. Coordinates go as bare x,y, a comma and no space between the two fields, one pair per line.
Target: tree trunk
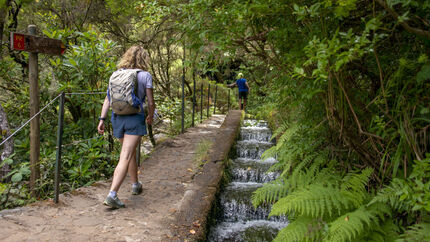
7,148
3,13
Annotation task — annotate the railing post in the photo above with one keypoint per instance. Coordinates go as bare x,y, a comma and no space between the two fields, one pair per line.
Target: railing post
59,144
194,98
228,100
201,103
216,92
209,95
183,105
183,91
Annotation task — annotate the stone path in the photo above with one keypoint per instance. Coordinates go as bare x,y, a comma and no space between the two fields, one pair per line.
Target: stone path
177,196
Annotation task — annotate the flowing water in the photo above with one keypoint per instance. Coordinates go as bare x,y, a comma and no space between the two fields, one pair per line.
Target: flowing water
237,220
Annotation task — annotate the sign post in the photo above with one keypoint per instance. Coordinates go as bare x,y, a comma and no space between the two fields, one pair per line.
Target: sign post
34,108
34,45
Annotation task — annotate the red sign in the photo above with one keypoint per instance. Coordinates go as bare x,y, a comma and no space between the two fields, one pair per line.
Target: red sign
36,44
18,41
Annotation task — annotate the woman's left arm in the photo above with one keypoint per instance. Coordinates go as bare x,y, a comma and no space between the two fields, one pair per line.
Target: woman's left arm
103,115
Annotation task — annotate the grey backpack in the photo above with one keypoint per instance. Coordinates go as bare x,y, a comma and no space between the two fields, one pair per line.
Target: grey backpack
123,92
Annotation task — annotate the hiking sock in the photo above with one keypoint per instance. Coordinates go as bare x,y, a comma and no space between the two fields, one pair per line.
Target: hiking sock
112,194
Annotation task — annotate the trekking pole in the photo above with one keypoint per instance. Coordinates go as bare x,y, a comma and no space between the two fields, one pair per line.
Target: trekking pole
59,145
138,153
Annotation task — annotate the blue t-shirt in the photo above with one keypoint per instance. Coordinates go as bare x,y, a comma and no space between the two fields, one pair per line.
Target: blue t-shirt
241,85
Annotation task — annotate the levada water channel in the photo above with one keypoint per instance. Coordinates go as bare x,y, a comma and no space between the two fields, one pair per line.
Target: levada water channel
235,217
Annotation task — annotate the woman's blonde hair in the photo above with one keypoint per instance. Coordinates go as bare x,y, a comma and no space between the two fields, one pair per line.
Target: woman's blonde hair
136,57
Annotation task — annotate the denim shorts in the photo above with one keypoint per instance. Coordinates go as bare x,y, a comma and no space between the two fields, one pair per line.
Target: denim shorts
133,124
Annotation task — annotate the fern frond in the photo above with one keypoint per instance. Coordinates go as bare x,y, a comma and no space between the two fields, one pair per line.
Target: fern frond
417,232
280,166
277,189
355,185
271,152
305,162
316,201
280,130
390,194
348,226
270,192
358,223
301,229
387,231
286,136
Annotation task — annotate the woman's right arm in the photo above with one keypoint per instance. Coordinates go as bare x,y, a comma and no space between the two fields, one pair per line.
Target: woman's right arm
151,105
104,112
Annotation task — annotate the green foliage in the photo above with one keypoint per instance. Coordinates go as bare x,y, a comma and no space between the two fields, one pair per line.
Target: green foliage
87,64
344,84
417,232
344,87
14,193
301,229
409,194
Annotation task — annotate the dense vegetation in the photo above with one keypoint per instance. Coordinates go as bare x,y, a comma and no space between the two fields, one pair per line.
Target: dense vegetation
344,83
96,33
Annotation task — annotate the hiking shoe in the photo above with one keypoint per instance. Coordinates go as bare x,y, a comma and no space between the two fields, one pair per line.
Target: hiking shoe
136,190
113,202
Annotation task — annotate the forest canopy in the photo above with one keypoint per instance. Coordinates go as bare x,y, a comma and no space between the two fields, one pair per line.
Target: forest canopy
344,83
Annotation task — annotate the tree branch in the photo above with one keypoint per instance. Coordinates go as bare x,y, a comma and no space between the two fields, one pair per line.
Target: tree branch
404,24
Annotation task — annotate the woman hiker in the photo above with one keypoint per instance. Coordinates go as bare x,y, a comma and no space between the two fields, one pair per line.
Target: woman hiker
243,87
129,128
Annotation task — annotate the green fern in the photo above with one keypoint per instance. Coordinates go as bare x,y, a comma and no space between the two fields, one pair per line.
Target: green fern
351,225
301,229
277,189
387,231
305,162
282,128
316,201
355,185
270,192
417,232
271,152
390,194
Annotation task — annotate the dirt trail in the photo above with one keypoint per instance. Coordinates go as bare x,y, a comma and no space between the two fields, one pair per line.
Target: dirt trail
170,202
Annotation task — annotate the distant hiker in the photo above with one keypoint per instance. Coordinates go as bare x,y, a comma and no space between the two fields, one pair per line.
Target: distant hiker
243,87
128,87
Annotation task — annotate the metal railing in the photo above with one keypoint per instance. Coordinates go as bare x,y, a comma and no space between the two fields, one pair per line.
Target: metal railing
60,126
59,141
204,105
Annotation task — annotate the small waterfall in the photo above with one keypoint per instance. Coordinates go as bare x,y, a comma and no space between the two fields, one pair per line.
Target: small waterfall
238,220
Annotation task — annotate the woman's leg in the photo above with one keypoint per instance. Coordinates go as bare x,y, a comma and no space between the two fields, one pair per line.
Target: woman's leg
128,154
132,169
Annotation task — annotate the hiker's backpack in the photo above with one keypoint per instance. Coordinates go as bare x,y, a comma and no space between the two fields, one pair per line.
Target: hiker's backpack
123,92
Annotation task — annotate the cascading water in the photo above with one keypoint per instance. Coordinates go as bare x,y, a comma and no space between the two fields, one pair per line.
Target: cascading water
237,219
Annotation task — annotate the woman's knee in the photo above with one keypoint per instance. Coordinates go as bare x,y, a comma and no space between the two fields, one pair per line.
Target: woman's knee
129,146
